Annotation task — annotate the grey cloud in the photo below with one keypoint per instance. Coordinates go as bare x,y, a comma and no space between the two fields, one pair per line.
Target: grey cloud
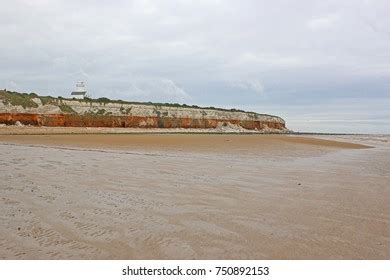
323,22
221,53
252,85
157,89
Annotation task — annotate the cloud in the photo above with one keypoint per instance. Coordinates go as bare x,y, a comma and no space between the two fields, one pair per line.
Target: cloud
209,52
250,85
266,61
323,22
156,89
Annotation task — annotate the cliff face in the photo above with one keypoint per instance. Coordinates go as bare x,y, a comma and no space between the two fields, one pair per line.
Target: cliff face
47,111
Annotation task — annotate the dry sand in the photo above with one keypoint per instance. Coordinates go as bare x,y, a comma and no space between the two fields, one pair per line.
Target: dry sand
194,197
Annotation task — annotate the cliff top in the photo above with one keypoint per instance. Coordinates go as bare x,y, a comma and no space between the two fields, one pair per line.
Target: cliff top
26,100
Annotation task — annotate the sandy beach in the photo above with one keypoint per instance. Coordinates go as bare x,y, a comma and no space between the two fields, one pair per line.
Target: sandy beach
195,196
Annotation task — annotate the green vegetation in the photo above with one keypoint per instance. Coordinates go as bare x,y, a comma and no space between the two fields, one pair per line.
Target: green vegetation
18,99
100,112
125,111
67,109
155,104
157,112
48,100
103,100
25,100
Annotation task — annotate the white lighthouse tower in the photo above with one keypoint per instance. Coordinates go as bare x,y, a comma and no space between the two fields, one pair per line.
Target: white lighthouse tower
80,91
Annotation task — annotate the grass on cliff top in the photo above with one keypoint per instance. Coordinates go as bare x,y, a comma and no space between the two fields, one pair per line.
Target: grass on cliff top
105,100
66,109
48,100
18,99
25,100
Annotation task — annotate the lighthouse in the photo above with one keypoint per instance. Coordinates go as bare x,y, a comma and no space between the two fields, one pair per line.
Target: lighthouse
80,91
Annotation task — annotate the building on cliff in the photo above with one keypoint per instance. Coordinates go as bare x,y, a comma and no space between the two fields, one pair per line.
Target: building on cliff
80,91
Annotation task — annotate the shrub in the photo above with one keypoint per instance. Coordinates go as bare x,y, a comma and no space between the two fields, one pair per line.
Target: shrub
67,109
47,100
103,100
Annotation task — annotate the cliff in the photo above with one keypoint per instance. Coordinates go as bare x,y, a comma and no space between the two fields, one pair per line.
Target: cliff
31,109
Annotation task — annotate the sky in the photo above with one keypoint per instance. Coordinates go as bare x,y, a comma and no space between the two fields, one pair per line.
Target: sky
323,66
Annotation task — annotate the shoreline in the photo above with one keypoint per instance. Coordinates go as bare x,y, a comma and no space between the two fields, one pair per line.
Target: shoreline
218,144
257,144
45,130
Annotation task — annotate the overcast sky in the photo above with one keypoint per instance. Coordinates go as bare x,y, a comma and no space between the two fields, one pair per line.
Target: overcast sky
321,65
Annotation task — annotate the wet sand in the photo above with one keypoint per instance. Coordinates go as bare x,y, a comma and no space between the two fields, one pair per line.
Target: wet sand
219,143
194,197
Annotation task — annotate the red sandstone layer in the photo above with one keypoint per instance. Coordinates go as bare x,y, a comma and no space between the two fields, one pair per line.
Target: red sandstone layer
73,120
